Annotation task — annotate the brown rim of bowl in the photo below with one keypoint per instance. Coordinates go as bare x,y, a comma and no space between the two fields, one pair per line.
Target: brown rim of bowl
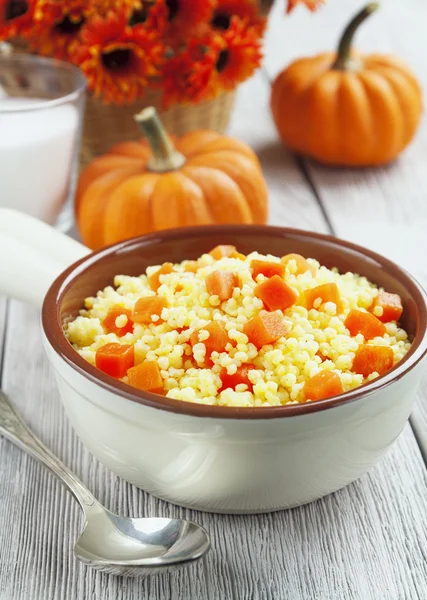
55,335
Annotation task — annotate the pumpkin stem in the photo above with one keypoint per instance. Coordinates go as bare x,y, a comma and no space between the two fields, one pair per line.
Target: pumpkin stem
344,60
165,156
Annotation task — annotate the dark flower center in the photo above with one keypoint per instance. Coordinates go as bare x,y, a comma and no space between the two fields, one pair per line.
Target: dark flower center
69,27
117,59
138,16
173,8
15,9
221,21
222,61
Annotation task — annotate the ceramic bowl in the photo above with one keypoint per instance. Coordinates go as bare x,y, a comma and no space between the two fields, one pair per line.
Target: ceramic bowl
218,459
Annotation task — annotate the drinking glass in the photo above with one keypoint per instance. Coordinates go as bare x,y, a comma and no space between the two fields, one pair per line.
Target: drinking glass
41,112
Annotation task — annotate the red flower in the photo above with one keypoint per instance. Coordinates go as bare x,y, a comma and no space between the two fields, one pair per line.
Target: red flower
151,14
57,28
187,76
240,54
186,18
118,60
311,4
246,10
16,17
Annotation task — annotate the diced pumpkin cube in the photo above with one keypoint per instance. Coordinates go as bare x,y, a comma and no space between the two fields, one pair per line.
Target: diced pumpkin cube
321,356
191,266
240,376
238,255
222,284
181,329
154,279
146,376
222,251
387,307
265,328
145,308
115,359
368,325
328,292
323,385
275,293
110,321
217,340
369,359
302,265
269,269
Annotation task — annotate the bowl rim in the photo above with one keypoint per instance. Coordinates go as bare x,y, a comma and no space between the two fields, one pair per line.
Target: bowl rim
53,329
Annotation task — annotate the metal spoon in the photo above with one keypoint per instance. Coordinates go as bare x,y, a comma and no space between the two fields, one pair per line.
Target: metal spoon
110,543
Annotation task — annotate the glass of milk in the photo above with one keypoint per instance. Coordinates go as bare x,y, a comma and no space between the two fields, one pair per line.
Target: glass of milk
41,111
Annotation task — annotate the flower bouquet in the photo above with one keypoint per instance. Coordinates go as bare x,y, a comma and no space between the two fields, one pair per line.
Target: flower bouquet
186,57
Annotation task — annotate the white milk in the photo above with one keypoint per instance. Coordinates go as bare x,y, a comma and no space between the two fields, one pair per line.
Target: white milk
36,150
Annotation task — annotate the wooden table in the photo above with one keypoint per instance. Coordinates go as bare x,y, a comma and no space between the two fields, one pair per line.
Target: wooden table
366,542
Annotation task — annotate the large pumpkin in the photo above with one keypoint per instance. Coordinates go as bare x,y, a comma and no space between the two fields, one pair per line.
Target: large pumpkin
143,186
347,108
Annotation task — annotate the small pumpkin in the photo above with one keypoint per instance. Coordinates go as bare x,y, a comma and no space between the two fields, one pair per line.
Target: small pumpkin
347,108
154,184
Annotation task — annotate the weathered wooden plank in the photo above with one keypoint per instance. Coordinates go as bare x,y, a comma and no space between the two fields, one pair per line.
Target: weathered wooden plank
419,419
291,201
396,27
3,313
361,543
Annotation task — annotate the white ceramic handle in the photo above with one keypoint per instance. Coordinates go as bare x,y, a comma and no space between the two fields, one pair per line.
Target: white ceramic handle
32,255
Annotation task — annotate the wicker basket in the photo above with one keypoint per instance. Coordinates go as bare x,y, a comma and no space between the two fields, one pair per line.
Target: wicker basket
106,125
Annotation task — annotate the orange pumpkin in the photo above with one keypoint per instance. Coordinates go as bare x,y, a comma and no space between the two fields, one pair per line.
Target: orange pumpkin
347,108
148,185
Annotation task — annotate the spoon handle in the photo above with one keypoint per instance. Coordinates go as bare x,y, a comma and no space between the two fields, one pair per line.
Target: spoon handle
14,429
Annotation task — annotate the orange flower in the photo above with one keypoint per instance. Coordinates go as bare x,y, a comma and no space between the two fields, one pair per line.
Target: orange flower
151,14
244,9
102,7
186,18
211,64
311,4
55,10
118,60
240,54
187,76
16,17
57,28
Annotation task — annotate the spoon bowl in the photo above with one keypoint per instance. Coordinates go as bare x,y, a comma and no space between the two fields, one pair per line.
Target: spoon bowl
126,546
109,542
